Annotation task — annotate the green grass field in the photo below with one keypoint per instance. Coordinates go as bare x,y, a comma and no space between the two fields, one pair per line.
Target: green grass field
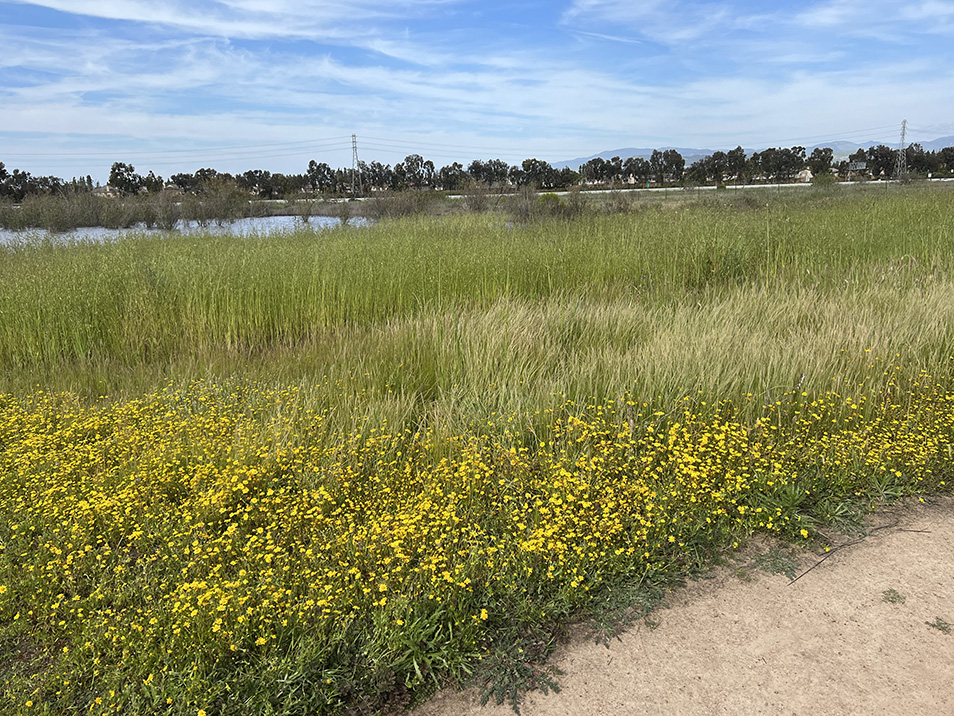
329,470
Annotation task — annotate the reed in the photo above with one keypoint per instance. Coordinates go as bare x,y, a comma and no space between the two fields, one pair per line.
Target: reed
326,471
671,296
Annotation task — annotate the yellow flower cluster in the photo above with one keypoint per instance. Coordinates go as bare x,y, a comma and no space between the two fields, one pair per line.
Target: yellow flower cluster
193,534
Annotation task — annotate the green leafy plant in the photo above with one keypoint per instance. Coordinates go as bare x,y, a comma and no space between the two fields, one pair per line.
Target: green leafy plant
892,596
941,625
776,561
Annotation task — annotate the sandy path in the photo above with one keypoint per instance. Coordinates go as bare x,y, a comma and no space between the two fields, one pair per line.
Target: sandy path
827,644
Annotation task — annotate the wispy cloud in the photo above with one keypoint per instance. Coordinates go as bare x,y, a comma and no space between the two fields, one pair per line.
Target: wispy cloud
316,19
889,22
668,23
480,77
611,38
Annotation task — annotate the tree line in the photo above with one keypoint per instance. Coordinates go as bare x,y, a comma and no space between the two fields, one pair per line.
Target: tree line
661,168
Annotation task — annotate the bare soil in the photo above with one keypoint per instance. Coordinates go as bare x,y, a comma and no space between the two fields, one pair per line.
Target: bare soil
838,640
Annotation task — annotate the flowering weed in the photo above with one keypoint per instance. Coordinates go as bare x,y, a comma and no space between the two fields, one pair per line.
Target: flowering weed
191,544
305,474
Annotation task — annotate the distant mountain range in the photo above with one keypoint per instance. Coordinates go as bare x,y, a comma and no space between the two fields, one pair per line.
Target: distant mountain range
840,148
690,155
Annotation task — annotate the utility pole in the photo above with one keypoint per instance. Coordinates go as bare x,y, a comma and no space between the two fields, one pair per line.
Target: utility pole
902,166
355,174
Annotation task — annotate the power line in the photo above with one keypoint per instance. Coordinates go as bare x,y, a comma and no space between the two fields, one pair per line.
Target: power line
303,145
473,152
243,157
355,175
454,150
409,148
203,160
833,136
457,147
302,148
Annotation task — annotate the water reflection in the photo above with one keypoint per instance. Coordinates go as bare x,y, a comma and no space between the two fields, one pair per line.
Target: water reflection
255,226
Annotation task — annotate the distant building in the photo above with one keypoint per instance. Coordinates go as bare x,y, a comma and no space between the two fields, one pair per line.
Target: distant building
804,176
107,192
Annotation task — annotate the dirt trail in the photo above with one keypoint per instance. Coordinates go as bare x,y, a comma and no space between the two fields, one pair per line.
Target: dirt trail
829,643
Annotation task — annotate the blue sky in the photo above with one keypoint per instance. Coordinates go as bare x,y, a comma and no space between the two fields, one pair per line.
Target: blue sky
175,85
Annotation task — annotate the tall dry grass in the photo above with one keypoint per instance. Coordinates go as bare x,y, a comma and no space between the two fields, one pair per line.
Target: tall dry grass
447,319
399,454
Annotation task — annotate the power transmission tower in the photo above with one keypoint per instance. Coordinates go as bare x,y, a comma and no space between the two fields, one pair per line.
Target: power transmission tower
355,174
902,167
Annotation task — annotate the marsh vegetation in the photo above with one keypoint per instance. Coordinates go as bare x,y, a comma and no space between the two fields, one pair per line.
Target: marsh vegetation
318,471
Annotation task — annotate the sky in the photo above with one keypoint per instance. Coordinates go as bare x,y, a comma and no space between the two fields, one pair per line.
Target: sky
176,85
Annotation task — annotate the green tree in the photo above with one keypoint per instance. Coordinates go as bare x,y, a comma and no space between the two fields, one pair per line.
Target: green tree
791,162
673,165
153,183
781,164
18,185
735,163
719,166
516,175
414,171
497,171
377,175
753,167
185,181
451,177
478,171
538,173
124,179
321,177
567,178
946,156
258,181
208,175
638,168
699,171
657,166
920,161
820,160
597,170
882,161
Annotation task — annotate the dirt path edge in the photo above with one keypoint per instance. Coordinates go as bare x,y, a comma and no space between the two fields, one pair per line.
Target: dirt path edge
863,632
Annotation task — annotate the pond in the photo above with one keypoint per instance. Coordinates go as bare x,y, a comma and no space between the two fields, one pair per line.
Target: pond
256,226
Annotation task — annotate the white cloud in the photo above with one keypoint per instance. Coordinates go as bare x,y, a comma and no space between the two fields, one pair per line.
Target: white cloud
680,22
613,74
668,23
890,22
312,19
611,38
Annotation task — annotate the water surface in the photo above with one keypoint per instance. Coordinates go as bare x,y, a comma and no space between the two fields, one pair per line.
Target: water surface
255,226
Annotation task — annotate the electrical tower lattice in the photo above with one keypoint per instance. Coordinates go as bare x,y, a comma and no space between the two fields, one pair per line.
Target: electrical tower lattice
355,173
902,167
